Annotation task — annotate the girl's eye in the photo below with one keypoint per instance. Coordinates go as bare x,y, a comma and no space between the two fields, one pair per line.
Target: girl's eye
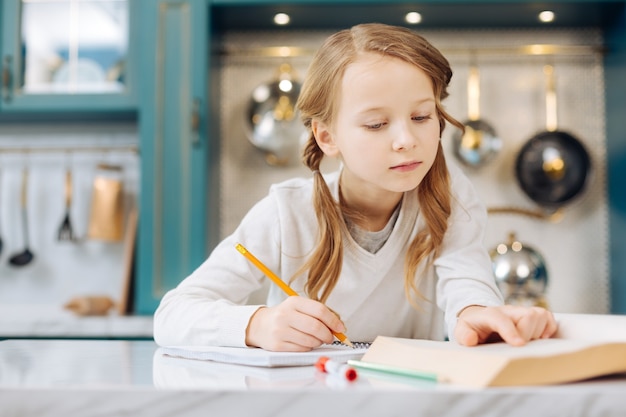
421,118
375,126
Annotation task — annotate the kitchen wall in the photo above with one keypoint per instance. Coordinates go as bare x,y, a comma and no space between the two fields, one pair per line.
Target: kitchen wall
60,270
512,100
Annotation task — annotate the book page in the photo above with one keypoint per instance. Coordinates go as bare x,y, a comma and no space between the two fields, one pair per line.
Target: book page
535,348
541,347
607,327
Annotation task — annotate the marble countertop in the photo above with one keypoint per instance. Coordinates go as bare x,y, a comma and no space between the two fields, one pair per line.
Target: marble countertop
37,320
120,378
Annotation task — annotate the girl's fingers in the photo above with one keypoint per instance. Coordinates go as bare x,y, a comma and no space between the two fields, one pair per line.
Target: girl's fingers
508,331
465,335
311,321
477,325
533,322
537,324
515,325
320,312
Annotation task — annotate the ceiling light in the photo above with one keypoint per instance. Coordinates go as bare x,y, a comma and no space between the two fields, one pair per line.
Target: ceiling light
281,19
546,16
285,86
413,18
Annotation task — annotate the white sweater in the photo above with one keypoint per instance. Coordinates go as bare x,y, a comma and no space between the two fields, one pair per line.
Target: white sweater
209,307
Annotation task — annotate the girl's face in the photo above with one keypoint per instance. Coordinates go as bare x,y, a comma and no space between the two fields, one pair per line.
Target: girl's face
386,127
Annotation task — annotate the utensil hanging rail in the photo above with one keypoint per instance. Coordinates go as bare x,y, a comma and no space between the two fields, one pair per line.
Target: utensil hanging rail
524,50
69,149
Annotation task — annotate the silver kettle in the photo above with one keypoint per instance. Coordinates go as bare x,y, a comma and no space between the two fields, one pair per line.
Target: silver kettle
520,272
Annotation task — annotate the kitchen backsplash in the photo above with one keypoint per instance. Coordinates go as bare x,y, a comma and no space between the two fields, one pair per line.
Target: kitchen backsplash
61,270
512,99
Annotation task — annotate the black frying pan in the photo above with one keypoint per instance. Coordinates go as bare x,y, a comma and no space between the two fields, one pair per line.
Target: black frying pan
553,167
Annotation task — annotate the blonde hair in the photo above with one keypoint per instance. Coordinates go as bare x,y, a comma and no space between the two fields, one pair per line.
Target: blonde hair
317,101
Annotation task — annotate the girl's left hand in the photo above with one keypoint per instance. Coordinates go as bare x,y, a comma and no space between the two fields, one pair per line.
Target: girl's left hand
515,325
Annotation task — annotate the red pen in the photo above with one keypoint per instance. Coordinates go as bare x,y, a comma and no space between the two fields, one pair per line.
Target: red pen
327,365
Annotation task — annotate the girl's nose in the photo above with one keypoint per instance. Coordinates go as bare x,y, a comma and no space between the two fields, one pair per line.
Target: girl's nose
404,139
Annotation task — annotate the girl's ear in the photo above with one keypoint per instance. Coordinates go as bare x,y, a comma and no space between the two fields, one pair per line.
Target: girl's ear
324,138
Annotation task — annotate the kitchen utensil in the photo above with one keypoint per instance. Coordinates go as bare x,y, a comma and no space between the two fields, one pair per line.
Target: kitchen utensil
478,144
26,256
554,216
520,272
90,305
65,230
553,167
271,119
107,204
124,305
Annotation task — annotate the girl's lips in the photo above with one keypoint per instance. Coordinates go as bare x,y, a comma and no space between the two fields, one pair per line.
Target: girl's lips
408,166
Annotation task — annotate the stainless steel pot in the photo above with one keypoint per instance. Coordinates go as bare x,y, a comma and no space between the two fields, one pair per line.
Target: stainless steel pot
479,143
520,272
272,120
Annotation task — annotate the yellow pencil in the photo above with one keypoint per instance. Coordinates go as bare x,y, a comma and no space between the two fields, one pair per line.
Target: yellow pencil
286,288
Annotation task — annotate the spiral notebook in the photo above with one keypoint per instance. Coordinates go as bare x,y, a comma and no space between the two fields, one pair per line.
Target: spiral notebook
265,358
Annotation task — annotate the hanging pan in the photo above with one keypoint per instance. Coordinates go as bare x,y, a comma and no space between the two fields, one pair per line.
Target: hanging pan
271,119
478,144
553,167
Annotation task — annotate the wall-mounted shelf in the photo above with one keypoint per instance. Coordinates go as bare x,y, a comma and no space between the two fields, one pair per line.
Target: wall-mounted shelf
521,50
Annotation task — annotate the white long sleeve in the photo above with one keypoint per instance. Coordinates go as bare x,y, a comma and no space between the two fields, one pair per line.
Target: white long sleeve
209,307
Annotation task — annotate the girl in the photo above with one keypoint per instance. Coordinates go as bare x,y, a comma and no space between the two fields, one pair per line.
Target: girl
389,245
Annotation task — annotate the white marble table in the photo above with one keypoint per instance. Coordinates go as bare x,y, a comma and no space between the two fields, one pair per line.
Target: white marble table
130,378
52,321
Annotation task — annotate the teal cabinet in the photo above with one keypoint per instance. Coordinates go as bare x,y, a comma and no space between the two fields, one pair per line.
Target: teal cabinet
176,154
68,56
615,82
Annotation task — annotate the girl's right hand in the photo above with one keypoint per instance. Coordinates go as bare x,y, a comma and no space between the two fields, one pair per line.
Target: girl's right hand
298,324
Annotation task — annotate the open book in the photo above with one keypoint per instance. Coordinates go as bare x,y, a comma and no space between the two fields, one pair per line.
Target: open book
265,358
598,349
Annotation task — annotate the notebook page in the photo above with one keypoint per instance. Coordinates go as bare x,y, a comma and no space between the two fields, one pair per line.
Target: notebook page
261,357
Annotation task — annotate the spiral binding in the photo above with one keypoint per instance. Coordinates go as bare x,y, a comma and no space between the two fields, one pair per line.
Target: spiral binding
357,345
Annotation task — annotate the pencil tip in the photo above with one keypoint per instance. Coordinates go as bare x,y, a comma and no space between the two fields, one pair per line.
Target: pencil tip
347,341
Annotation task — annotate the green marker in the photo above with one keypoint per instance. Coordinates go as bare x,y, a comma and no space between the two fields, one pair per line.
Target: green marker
394,370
